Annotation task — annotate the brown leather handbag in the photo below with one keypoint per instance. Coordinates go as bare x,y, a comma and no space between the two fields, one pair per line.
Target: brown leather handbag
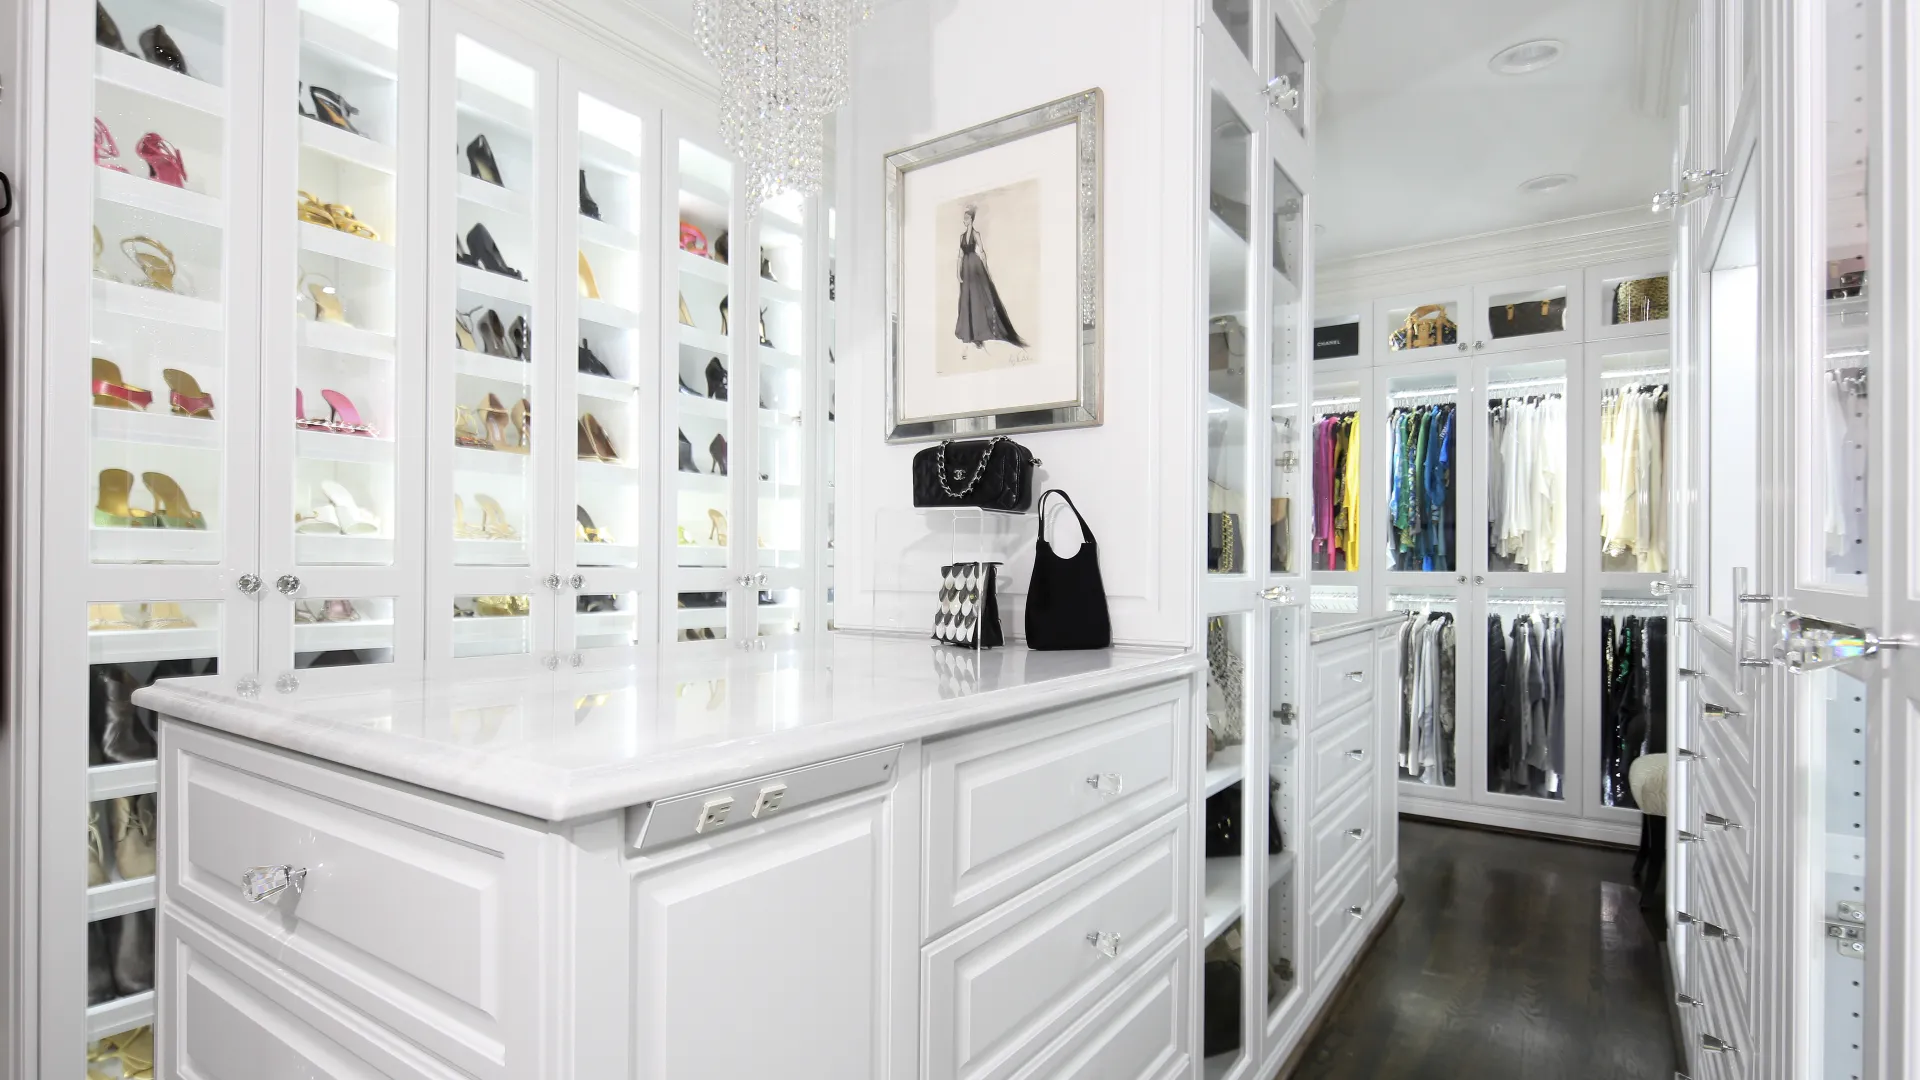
1425,327
1527,317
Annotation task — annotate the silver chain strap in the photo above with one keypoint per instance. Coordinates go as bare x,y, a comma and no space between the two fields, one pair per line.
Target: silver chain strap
978,471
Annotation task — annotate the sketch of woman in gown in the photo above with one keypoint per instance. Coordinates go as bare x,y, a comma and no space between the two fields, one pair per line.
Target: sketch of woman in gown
983,317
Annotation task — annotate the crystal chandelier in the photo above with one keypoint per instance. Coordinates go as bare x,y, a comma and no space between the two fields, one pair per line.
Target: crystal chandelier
783,71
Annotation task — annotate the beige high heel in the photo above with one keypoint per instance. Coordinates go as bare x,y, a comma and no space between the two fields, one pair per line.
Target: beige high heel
326,299
588,288
158,269
462,529
170,502
493,520
112,391
717,532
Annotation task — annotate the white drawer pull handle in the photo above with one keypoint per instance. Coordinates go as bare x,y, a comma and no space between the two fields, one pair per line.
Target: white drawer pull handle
1108,944
1355,676
1356,834
1682,836
1714,1044
1715,821
1707,929
1105,783
1356,911
1357,755
1689,999
260,882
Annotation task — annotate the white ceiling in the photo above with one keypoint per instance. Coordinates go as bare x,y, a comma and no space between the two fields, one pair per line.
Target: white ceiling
1418,141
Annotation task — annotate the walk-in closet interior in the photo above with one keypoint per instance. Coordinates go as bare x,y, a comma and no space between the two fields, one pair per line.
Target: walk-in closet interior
958,539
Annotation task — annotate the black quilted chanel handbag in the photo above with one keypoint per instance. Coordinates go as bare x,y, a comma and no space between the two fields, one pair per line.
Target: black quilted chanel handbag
992,474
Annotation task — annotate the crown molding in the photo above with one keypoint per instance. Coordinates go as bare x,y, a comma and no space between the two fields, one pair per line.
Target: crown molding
1612,236
669,59
1660,32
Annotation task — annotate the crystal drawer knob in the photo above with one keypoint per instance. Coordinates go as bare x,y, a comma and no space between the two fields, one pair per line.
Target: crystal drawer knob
1356,911
553,582
1105,783
260,882
1714,1044
1355,676
1357,755
1356,834
576,581
1715,821
1108,944
248,583
287,584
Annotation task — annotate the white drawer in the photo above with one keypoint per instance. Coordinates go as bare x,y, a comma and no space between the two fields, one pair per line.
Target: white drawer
1343,675
1339,919
1011,805
229,1014
1337,756
416,911
1342,836
1004,985
1138,1033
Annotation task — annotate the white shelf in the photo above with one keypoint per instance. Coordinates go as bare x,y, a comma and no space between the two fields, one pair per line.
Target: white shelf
596,386
331,446
478,101
498,286
604,154
488,552
157,82
111,1017
472,459
689,405
702,483
1219,406
149,545
155,305
346,340
778,358
152,196
603,623
607,314
335,244
346,146
492,196
156,426
617,555
355,634
345,46
607,473
715,197
1228,765
500,369
772,490
702,555
1279,866
607,236
328,549
702,267
1222,902
702,341
137,646
774,290
122,780
119,898
701,618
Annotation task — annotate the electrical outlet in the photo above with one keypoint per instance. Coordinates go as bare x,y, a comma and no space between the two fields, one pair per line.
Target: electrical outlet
770,799
713,813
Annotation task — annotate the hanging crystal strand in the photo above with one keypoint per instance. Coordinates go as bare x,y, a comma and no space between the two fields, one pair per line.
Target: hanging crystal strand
783,71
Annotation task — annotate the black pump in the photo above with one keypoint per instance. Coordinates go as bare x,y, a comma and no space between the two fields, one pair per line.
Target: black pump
480,243
716,379
331,108
480,161
588,207
590,364
106,32
686,454
159,48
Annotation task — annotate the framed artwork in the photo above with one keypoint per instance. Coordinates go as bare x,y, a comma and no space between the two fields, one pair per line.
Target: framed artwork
993,276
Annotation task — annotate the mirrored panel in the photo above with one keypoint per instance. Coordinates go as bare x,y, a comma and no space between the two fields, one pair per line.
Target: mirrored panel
492,625
1229,277
342,632
606,620
609,286
701,616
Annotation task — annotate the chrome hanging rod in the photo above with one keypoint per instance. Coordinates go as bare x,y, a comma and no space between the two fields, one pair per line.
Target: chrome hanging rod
1414,598
1333,402
1636,373
1408,395
1639,605
1524,384
1850,354
1528,601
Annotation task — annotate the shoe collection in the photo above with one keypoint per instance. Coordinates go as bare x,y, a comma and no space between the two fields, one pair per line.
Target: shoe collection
489,425
585,531
491,607
328,108
111,390
332,216
324,611
131,1051
493,520
163,160
480,252
694,241
156,46
157,267
589,364
120,839
318,290
119,957
482,330
114,509
342,417
593,443
716,450
338,515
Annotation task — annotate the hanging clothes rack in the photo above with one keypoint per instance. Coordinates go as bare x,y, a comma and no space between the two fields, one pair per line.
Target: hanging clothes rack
1528,384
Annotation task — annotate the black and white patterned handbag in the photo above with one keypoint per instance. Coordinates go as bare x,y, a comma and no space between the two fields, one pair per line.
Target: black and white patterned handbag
969,614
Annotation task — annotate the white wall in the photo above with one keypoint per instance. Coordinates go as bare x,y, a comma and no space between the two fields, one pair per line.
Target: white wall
926,68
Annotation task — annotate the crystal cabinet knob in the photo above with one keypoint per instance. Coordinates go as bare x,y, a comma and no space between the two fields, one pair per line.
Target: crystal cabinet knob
576,660
1108,944
1355,676
551,661
287,584
1282,94
260,882
1105,783
576,581
1357,755
1356,911
1356,834
1689,1000
248,583
552,582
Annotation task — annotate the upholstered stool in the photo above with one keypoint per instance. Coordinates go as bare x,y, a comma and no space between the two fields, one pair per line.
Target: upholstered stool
1647,779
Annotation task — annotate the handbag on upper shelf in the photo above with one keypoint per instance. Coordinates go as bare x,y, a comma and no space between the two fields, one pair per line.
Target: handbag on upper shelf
1066,601
1527,317
992,474
1640,300
1425,327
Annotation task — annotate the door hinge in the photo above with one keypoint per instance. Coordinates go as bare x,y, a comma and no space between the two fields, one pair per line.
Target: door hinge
1284,714
1848,929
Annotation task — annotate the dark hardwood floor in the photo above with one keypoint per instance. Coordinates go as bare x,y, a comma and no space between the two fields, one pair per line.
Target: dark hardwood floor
1509,958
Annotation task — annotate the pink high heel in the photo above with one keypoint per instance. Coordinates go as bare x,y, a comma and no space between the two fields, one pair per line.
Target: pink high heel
300,417
163,161
345,419
104,148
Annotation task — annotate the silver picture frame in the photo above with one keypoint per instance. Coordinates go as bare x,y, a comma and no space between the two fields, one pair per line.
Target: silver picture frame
1083,409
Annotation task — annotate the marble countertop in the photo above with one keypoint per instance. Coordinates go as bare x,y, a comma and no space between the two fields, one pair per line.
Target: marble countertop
573,744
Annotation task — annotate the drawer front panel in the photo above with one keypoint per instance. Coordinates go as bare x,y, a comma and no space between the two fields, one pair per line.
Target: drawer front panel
1137,1033
1011,805
228,1016
999,988
1340,918
1337,757
1343,675
1341,836
412,910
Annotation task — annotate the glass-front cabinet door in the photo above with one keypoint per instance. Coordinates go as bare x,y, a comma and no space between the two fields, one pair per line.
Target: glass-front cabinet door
492,276
786,324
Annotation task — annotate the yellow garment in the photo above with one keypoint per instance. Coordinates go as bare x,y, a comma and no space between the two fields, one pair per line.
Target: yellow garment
1350,534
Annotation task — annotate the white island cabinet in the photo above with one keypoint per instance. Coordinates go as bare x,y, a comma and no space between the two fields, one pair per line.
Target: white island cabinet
864,859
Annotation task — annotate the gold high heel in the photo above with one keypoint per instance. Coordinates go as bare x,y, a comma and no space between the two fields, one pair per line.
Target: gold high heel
158,269
111,617
462,530
462,333
326,299
113,510
168,616
344,221
314,212
496,429
493,520
494,606
717,532
523,423
466,429
588,288
686,317
112,391
170,503
593,443
682,530
187,398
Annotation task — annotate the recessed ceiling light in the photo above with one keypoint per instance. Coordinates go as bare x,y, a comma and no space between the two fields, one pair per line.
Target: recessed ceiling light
1549,182
1526,57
